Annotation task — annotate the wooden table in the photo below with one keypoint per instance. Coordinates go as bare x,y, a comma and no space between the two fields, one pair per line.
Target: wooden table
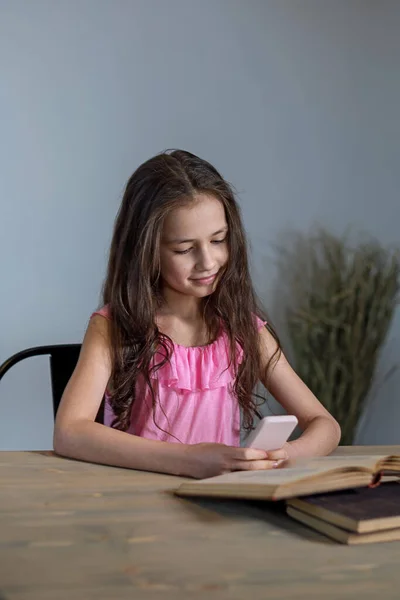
70,530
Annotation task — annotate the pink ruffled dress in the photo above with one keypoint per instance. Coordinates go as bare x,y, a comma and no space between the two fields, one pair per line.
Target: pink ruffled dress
196,401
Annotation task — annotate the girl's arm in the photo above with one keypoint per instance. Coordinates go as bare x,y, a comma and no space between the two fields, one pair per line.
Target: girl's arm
321,432
77,435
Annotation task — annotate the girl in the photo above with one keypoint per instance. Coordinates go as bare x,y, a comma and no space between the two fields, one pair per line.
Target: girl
180,343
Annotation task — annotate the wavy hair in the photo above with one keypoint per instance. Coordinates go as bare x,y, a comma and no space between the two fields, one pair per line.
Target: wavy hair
133,287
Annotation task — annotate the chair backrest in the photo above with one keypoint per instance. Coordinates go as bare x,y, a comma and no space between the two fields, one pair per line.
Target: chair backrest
63,359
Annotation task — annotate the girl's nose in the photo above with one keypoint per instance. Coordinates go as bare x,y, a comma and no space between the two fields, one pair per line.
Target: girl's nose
205,261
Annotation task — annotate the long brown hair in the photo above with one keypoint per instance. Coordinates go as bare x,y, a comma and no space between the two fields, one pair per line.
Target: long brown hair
132,289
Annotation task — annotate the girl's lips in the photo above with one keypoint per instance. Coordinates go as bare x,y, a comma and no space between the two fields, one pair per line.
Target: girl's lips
204,280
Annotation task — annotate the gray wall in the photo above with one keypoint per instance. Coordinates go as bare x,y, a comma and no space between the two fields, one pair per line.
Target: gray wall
296,102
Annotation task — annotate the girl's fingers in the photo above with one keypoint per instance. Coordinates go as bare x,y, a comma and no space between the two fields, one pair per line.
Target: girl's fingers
278,455
249,454
252,459
256,454
254,465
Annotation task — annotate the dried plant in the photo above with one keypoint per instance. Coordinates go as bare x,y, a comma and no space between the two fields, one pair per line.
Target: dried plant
340,304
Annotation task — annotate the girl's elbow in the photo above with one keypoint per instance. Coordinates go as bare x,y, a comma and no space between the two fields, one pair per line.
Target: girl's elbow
58,441
62,440
337,432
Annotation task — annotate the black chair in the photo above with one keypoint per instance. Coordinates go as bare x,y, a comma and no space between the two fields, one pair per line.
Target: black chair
63,359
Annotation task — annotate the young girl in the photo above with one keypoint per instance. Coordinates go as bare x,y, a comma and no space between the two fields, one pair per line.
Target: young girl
180,342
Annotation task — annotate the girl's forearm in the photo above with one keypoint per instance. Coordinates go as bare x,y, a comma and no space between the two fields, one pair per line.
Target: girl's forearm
93,442
320,438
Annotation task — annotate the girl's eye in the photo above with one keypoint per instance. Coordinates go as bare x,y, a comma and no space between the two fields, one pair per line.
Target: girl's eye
182,251
189,249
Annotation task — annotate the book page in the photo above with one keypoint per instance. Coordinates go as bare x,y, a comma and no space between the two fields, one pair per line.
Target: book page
335,462
390,464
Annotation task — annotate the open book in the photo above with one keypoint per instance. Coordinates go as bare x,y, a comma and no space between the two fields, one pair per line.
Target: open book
303,477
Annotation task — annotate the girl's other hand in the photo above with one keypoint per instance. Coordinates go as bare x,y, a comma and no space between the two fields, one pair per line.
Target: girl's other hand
208,460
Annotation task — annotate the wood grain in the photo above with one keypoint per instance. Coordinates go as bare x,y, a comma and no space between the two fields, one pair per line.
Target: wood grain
72,530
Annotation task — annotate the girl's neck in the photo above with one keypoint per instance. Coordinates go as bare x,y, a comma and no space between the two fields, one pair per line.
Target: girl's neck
182,307
181,318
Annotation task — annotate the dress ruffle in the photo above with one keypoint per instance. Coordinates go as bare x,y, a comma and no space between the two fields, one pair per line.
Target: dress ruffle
197,368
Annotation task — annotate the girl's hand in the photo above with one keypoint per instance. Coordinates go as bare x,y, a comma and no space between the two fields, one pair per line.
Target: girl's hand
208,460
281,456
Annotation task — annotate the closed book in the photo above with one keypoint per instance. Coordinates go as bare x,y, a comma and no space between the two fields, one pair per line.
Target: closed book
343,535
360,510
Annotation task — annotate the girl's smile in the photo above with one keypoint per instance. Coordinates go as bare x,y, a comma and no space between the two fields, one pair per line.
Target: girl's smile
204,280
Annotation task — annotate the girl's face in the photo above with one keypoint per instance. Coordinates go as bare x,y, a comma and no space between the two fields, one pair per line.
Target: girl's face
194,248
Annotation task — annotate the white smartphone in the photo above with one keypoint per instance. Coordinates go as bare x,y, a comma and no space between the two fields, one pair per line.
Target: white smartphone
271,433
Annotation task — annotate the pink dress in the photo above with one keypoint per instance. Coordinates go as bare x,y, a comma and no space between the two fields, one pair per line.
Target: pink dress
195,398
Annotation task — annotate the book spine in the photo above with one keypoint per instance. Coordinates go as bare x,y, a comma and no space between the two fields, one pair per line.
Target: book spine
376,479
